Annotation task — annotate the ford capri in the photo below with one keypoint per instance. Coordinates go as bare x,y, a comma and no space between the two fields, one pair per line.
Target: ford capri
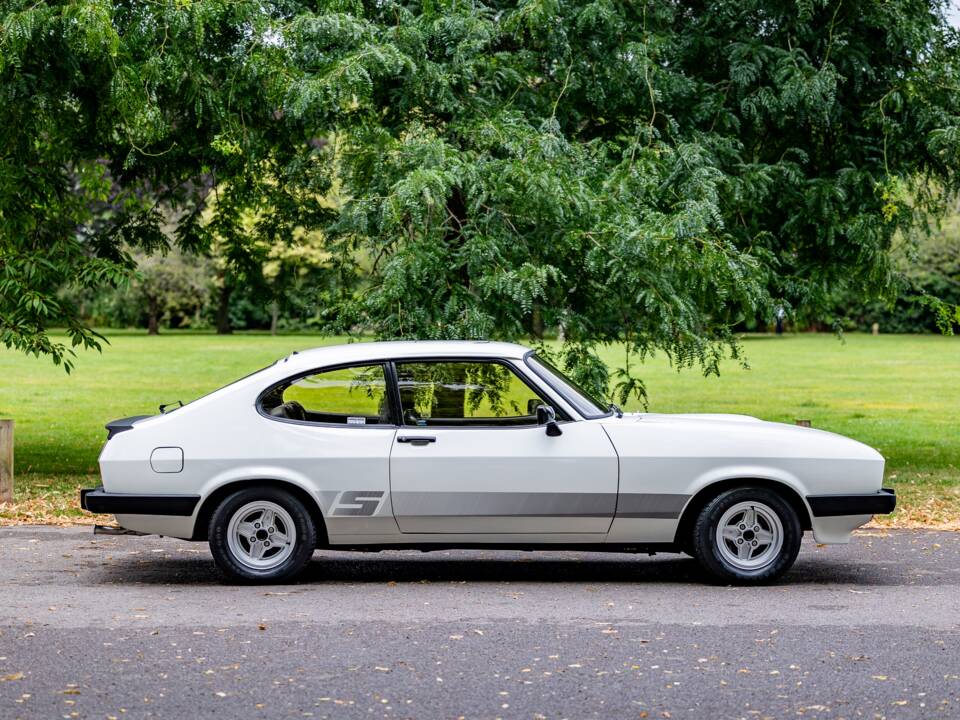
449,444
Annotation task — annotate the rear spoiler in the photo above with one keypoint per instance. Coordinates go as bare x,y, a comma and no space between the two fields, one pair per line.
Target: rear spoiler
118,426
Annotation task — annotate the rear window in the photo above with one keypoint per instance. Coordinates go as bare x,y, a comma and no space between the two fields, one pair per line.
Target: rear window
354,395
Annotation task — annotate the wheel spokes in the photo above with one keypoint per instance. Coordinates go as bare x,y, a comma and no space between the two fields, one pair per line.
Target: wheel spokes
268,518
262,535
764,537
749,535
279,537
257,549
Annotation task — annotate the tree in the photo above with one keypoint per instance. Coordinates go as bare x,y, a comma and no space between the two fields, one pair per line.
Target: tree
121,115
173,284
930,270
298,276
641,172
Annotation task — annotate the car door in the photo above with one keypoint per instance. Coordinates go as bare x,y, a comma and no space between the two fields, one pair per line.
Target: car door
470,457
335,426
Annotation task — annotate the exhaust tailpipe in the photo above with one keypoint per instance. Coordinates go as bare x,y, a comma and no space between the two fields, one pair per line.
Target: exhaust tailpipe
112,530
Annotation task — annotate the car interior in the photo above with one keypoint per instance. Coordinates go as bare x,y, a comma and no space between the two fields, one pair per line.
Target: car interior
455,394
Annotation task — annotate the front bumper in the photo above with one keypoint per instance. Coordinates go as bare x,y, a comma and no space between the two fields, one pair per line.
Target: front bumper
98,500
879,503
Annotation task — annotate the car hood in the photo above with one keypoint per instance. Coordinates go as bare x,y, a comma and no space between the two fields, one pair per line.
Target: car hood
740,434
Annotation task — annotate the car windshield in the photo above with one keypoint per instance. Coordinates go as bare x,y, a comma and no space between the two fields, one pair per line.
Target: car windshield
584,403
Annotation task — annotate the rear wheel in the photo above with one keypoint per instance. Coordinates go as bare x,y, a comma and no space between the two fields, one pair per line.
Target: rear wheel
261,535
747,536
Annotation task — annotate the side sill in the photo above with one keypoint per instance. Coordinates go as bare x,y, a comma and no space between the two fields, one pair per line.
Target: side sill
647,548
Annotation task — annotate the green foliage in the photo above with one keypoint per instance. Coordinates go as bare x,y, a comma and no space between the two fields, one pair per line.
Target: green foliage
130,125
621,172
638,172
175,284
929,300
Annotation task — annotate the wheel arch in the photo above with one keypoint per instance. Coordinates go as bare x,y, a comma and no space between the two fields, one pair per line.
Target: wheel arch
690,512
221,492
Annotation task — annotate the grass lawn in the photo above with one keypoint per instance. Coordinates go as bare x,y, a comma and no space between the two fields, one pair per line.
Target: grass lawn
898,393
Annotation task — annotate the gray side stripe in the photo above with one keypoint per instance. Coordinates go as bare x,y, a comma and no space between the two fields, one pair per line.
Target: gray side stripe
503,504
651,505
517,504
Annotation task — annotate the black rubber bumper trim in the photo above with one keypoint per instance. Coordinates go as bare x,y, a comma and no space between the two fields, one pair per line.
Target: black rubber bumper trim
878,503
98,500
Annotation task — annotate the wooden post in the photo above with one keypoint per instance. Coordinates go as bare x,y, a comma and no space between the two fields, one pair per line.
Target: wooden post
875,329
6,461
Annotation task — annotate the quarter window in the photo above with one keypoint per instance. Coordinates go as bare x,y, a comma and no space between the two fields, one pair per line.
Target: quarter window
465,393
349,396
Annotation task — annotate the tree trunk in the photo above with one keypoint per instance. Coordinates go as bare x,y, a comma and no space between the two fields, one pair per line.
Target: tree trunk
274,316
223,309
457,212
153,312
536,322
6,461
449,398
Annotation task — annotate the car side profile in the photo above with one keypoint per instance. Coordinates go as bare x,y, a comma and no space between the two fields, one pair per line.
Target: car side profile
445,444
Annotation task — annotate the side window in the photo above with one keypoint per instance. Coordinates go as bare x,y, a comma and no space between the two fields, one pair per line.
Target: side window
349,396
463,393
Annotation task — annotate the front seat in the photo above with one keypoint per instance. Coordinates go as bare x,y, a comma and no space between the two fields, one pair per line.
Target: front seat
291,410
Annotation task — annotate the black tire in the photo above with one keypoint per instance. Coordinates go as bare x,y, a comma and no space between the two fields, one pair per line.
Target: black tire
719,562
232,562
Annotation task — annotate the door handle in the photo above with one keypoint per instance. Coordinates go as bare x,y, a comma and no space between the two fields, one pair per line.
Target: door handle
416,439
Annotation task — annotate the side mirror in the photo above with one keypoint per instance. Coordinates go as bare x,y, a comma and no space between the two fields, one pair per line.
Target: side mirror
548,417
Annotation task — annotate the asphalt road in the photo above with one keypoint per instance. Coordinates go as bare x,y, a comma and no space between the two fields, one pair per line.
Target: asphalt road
142,627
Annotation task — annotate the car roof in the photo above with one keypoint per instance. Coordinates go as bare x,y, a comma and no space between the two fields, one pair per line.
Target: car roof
405,349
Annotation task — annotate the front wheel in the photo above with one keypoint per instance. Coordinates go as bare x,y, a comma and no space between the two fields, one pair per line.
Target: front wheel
747,536
261,535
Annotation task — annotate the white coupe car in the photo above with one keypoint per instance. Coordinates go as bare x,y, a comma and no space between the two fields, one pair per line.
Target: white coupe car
434,445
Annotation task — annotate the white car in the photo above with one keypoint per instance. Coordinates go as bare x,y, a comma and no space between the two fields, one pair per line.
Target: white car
431,445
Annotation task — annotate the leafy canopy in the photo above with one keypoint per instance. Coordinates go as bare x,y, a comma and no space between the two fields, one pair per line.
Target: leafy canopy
641,172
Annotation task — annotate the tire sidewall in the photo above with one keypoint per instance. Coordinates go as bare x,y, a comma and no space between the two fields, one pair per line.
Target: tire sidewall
237,571
705,533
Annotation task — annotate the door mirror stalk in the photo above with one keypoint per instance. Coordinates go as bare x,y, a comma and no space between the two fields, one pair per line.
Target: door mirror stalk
547,416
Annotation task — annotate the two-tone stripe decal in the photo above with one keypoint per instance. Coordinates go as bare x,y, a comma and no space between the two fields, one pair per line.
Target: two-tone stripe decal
503,504
357,503
654,506
544,504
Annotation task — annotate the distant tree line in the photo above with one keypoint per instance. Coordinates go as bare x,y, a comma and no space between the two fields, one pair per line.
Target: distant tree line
184,291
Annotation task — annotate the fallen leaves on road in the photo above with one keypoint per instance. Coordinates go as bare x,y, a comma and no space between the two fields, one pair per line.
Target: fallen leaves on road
11,676
919,506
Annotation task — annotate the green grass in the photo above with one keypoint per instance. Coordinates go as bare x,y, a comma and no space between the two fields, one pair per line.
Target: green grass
900,394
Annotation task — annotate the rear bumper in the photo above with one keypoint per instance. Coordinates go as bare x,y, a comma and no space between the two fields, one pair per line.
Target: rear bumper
879,503
98,500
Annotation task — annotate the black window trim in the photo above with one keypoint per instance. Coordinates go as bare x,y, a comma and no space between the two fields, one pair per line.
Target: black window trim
385,364
526,361
393,388
562,415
